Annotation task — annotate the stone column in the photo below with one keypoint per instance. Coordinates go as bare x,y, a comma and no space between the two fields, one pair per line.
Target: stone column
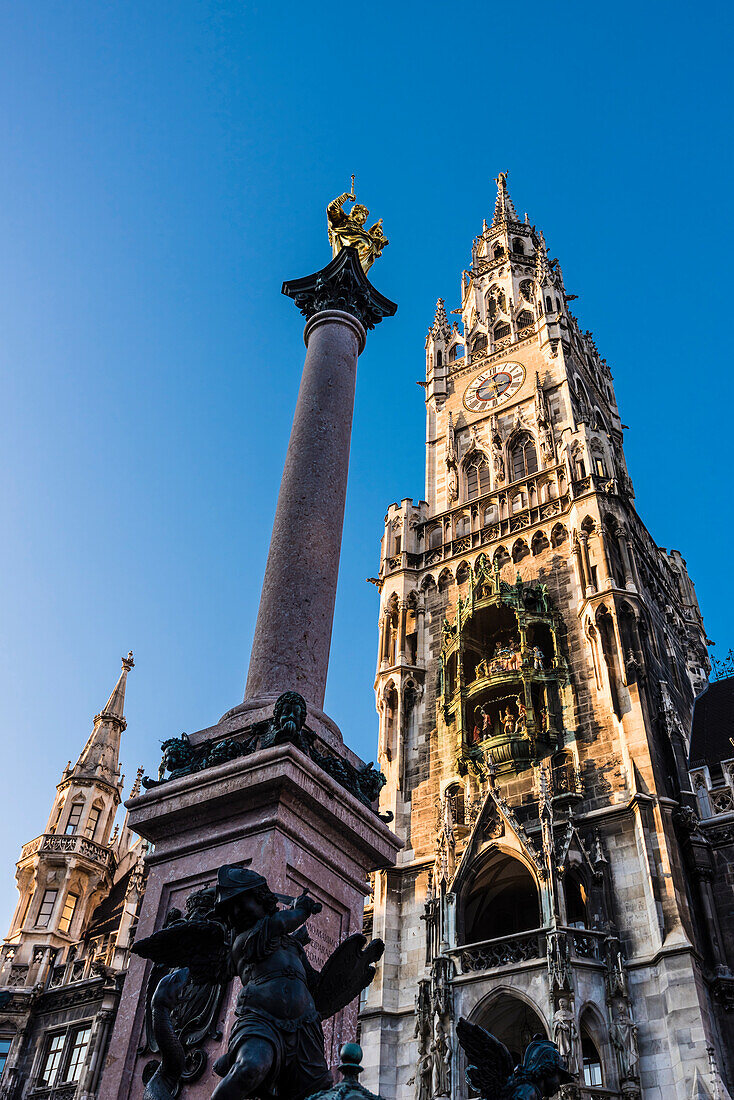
402,612
290,650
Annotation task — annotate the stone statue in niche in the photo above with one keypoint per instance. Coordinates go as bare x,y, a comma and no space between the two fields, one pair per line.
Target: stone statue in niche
623,1034
565,1033
276,1042
490,1068
441,1069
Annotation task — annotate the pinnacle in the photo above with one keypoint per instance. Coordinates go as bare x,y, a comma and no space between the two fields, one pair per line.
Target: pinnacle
503,208
440,321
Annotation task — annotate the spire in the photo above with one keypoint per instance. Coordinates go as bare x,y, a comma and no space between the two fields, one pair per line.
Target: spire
503,208
440,324
100,755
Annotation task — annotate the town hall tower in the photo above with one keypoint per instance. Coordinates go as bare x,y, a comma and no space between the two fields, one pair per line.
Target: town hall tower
538,660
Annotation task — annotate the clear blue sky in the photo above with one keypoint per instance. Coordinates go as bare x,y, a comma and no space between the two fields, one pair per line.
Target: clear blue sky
165,166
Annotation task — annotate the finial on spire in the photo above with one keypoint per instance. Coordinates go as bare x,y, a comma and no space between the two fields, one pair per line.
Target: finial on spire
503,208
135,789
127,662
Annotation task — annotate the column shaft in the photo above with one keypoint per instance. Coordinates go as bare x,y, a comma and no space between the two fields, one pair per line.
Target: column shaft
290,650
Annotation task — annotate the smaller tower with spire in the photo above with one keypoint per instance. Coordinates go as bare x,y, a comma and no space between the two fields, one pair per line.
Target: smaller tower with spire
80,889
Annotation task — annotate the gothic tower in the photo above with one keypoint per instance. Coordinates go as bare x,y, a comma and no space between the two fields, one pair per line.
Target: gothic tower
80,886
538,660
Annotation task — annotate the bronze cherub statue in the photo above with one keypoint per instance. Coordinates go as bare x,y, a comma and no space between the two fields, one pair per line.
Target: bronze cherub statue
276,1045
490,1070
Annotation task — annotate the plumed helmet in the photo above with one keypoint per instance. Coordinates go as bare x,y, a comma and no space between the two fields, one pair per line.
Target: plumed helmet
232,882
542,1056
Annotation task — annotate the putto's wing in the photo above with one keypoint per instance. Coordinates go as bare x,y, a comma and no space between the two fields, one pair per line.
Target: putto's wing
202,945
346,972
489,1062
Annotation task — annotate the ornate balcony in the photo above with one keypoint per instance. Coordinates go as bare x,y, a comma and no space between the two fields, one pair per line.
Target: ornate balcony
501,668
506,951
583,944
72,845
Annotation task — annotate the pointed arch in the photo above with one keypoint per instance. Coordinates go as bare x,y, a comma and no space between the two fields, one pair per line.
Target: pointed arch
519,551
445,579
500,557
523,456
559,535
463,572
539,543
476,475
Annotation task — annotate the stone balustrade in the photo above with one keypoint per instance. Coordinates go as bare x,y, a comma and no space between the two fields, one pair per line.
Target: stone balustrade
505,951
75,845
583,943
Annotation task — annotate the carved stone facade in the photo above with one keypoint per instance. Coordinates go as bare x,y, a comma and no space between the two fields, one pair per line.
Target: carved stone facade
538,661
63,963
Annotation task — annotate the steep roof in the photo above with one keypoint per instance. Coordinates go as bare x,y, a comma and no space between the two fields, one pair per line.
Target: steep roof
100,756
713,724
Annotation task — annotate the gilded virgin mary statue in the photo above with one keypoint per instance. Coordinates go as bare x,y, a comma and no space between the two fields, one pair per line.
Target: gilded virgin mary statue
347,230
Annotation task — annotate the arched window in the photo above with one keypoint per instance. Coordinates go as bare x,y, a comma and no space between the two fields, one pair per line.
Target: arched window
457,352
501,330
498,251
524,319
501,900
477,476
463,526
74,818
593,1077
439,358
576,897
435,538
455,803
491,514
479,343
549,304
518,246
523,458
92,821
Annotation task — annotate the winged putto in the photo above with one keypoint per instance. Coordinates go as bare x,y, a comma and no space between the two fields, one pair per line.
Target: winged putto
276,1043
490,1070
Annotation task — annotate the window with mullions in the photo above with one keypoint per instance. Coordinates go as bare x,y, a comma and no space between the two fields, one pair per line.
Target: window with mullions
5,1044
477,477
524,458
592,1064
47,908
52,1060
67,914
74,818
91,827
79,1042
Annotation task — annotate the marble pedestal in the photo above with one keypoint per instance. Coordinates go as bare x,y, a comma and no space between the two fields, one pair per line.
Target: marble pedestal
279,813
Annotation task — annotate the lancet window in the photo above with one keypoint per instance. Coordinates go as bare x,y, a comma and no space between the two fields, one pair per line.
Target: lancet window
523,458
477,476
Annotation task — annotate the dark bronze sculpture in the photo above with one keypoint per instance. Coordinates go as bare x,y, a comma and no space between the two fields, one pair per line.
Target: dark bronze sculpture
288,725
490,1071
276,1045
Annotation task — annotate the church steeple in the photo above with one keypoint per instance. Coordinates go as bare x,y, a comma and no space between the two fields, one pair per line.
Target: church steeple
100,756
63,874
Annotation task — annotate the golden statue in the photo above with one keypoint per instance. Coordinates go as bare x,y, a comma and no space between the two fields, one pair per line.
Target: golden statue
348,230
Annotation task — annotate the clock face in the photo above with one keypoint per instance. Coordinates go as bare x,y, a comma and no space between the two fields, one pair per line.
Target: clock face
494,386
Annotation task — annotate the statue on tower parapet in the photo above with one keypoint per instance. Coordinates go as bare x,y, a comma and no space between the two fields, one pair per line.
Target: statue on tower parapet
347,230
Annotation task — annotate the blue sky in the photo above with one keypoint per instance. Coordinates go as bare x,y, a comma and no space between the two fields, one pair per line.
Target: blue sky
165,166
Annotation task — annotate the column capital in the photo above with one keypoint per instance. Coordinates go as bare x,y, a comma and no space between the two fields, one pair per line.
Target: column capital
341,285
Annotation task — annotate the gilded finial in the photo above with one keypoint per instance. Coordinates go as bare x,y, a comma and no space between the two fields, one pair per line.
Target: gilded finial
347,230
